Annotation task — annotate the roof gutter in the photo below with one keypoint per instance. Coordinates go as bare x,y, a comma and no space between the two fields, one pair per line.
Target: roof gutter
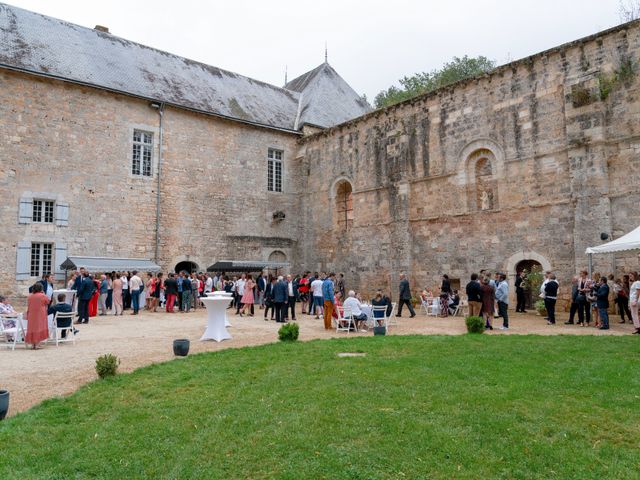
149,99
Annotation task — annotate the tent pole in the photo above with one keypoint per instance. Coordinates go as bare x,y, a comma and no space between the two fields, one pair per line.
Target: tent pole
590,264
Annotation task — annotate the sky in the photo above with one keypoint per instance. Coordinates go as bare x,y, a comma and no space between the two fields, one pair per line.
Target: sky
370,43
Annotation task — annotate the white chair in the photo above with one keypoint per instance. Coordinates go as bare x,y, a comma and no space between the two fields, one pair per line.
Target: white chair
426,304
69,336
462,304
345,321
15,334
380,318
391,318
8,331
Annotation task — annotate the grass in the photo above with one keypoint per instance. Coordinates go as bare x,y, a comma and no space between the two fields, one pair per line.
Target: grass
515,407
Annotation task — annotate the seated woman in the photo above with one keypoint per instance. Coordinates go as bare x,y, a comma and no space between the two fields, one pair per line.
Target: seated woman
337,302
454,301
426,295
380,301
5,307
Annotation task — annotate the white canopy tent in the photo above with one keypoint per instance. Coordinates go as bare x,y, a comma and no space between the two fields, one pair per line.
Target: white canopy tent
630,241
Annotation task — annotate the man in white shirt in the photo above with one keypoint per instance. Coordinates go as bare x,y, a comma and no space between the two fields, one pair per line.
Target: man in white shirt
208,284
353,305
126,297
134,287
240,291
318,302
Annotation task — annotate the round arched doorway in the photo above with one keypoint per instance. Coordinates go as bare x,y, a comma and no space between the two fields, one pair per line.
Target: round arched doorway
186,266
533,275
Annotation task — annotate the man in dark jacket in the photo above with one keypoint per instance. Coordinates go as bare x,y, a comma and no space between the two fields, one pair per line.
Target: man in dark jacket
405,296
474,296
602,302
85,292
171,292
574,301
292,298
280,298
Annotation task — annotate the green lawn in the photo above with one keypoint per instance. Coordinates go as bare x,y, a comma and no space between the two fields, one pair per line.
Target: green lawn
415,407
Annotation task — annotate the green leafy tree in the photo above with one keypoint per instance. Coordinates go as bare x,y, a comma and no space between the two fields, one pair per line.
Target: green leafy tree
424,82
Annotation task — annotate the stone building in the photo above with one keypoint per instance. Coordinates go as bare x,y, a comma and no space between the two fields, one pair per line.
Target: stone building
524,166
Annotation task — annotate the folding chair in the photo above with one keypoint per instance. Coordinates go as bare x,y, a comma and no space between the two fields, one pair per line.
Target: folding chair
391,318
426,303
462,304
16,334
345,321
8,333
69,337
380,318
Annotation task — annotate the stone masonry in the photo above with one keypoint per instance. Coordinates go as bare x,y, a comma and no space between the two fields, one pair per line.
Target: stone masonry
553,140
529,163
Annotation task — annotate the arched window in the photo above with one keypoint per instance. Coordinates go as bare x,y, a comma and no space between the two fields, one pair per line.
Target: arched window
344,205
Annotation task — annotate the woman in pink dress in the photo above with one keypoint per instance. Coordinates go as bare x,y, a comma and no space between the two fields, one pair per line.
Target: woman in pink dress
247,297
117,295
37,324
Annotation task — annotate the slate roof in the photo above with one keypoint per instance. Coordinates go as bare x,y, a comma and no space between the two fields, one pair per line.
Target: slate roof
47,46
327,99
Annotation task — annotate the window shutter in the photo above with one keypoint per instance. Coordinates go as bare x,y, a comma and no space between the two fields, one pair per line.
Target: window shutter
25,211
62,214
23,263
60,256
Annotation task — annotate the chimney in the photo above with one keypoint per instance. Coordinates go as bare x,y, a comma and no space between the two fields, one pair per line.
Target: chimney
101,28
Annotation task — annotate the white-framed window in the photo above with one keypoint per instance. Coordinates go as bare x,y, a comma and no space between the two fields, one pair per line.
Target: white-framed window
41,258
42,211
274,170
142,154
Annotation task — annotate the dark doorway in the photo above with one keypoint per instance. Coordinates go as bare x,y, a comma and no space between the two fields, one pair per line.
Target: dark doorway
531,294
186,266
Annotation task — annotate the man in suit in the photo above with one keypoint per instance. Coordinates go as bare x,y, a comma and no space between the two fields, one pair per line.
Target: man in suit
61,307
85,292
280,298
520,294
170,292
574,300
292,297
405,296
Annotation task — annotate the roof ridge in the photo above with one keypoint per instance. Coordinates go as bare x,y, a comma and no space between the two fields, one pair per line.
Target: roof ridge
142,45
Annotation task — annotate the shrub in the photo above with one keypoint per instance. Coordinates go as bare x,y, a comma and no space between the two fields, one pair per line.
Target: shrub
540,306
289,332
107,365
474,324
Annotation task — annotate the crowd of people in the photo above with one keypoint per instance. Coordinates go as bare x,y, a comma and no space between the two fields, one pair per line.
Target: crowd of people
320,295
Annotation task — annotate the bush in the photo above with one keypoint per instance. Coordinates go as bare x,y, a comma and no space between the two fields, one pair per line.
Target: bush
289,332
474,324
107,365
540,306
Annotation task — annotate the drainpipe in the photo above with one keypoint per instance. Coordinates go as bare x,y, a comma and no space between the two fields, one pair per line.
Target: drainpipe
160,108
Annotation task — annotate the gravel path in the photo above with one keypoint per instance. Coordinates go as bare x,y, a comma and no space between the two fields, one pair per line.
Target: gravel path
32,376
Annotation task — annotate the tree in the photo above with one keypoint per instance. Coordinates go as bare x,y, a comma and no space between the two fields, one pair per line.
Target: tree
424,82
629,10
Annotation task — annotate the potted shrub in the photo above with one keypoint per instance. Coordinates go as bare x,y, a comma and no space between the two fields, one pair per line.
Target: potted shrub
289,332
4,403
474,324
379,330
181,347
541,308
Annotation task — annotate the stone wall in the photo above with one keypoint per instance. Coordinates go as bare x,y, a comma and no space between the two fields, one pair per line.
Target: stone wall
74,144
515,165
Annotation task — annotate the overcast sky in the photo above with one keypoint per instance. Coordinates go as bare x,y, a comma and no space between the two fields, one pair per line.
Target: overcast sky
370,43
